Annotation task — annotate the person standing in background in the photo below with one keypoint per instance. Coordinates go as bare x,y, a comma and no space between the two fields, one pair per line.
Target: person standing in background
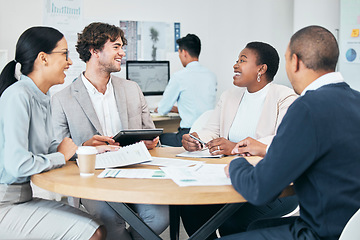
193,88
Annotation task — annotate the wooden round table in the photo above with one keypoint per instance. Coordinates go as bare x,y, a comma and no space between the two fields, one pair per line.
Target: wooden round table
118,191
67,181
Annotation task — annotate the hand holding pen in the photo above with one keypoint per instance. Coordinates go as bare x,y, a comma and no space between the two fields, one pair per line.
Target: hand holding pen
203,144
192,142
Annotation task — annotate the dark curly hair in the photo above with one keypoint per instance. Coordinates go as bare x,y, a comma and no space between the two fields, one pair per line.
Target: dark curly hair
94,36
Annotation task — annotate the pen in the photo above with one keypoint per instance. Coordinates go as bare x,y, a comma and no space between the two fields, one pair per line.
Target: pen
197,139
197,167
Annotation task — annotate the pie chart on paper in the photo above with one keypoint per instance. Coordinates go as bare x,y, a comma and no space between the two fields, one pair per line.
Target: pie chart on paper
351,55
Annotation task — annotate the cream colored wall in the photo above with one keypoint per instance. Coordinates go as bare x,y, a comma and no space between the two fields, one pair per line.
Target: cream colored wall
224,27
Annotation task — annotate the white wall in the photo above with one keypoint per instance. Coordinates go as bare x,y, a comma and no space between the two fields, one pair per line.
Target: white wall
349,20
15,19
224,27
235,23
325,13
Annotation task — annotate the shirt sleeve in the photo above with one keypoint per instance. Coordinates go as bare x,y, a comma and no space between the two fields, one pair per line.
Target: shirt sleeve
292,151
170,96
18,160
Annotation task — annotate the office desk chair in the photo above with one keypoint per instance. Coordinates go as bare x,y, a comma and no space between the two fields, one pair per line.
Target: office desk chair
352,228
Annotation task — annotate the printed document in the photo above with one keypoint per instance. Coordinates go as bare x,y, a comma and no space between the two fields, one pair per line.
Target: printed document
133,173
199,175
128,155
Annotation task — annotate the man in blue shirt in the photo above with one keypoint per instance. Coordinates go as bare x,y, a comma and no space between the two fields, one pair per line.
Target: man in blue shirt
193,88
316,147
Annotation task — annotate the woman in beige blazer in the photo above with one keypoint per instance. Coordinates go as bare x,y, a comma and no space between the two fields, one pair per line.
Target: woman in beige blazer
256,107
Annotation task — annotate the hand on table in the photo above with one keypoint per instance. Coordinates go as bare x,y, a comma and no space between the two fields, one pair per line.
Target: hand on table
67,147
174,109
250,147
220,146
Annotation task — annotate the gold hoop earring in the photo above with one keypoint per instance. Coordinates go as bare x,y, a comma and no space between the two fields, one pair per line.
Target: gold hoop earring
258,77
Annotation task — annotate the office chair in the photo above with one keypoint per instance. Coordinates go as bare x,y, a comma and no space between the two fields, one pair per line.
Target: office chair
352,228
295,212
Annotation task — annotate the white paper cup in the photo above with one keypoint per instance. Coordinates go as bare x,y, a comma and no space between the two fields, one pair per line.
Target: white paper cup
86,160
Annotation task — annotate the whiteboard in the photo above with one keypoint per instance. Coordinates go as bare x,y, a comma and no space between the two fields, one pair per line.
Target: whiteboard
349,59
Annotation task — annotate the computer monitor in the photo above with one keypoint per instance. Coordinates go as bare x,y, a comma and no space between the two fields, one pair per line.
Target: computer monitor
152,76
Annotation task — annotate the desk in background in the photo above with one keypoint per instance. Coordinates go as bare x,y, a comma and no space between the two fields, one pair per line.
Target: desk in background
169,122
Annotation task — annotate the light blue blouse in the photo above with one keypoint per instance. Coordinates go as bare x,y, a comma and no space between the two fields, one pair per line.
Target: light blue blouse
194,90
26,134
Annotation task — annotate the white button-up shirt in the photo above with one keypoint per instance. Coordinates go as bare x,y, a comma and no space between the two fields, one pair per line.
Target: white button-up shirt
329,78
105,107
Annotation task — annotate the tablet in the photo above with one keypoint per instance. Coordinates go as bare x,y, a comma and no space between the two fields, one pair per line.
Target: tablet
130,136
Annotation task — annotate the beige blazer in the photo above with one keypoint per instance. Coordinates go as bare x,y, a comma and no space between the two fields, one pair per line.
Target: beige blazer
74,116
277,101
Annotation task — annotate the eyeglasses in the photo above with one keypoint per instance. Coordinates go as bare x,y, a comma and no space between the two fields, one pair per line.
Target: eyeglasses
64,52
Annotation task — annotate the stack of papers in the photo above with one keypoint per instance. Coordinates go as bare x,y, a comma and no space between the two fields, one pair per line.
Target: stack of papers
182,172
199,175
131,154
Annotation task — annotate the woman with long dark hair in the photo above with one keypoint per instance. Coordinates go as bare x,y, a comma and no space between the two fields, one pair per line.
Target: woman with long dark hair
26,145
